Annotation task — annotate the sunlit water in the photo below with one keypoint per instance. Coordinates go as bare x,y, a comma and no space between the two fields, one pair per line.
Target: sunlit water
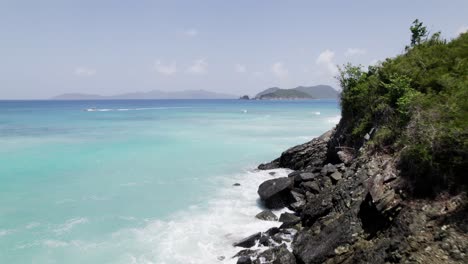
140,181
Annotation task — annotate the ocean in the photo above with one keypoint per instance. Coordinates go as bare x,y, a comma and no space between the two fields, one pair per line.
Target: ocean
141,181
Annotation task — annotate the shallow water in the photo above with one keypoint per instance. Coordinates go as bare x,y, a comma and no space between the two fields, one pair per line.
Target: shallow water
140,181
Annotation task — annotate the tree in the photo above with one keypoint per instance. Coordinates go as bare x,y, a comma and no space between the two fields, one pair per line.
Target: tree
418,32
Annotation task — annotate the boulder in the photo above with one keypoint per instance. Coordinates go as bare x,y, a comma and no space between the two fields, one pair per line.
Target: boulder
328,169
289,218
269,166
244,260
267,215
275,193
236,184
336,176
276,255
249,241
311,186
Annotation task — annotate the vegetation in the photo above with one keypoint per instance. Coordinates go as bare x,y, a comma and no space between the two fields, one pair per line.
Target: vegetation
417,103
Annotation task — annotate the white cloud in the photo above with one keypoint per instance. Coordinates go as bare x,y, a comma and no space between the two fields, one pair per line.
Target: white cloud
165,69
191,32
279,70
198,67
240,68
462,29
350,52
325,60
85,71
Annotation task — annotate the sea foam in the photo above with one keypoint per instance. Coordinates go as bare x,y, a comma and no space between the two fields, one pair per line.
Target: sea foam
202,235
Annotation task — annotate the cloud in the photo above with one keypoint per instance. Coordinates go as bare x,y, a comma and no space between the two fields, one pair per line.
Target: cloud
350,52
191,33
462,29
165,69
85,71
240,68
279,70
198,67
325,60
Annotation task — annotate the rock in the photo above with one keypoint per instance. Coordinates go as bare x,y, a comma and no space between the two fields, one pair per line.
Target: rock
276,255
336,176
269,166
249,241
275,193
345,156
267,215
328,169
289,218
272,231
244,260
307,176
246,253
311,186
272,173
221,258
316,208
236,184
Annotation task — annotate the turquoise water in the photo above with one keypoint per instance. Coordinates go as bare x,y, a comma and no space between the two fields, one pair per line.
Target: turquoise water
136,181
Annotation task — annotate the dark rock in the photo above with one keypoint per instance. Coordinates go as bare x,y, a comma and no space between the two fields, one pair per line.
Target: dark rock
336,176
307,176
311,186
311,248
267,215
316,208
246,253
275,193
236,184
328,169
249,241
276,255
244,260
269,166
289,218
272,173
272,231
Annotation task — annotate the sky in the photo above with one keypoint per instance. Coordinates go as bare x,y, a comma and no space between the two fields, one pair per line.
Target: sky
237,47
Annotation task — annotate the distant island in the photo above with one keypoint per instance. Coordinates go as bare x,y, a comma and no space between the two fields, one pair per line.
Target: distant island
300,92
155,94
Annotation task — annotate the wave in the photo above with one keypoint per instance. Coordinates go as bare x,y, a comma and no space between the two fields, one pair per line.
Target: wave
204,235
93,109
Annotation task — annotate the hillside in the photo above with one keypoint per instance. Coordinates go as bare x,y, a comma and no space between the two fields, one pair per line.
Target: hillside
301,92
388,184
155,94
281,94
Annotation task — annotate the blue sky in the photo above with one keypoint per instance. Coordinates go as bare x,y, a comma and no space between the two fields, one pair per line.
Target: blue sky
238,47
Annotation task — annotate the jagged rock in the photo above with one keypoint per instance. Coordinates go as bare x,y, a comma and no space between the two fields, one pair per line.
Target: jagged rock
276,255
272,231
336,176
244,260
246,253
311,186
316,208
328,169
267,215
345,156
275,193
236,184
289,218
269,166
249,241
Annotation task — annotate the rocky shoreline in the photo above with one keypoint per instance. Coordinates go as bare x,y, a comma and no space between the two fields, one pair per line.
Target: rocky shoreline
352,207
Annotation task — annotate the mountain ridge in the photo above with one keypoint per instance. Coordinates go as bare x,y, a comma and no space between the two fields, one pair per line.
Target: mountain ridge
154,94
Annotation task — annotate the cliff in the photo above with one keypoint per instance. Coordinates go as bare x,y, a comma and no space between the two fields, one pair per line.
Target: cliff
388,184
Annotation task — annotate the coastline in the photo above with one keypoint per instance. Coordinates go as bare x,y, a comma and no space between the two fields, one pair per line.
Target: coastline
349,207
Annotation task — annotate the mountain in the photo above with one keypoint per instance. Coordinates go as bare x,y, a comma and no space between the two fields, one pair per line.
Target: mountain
155,94
285,94
301,92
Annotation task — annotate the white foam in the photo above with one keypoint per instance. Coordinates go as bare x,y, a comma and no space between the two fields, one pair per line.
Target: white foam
202,235
316,113
69,224
93,109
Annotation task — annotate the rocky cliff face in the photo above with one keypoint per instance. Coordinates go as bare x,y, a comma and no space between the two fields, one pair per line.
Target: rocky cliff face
353,207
